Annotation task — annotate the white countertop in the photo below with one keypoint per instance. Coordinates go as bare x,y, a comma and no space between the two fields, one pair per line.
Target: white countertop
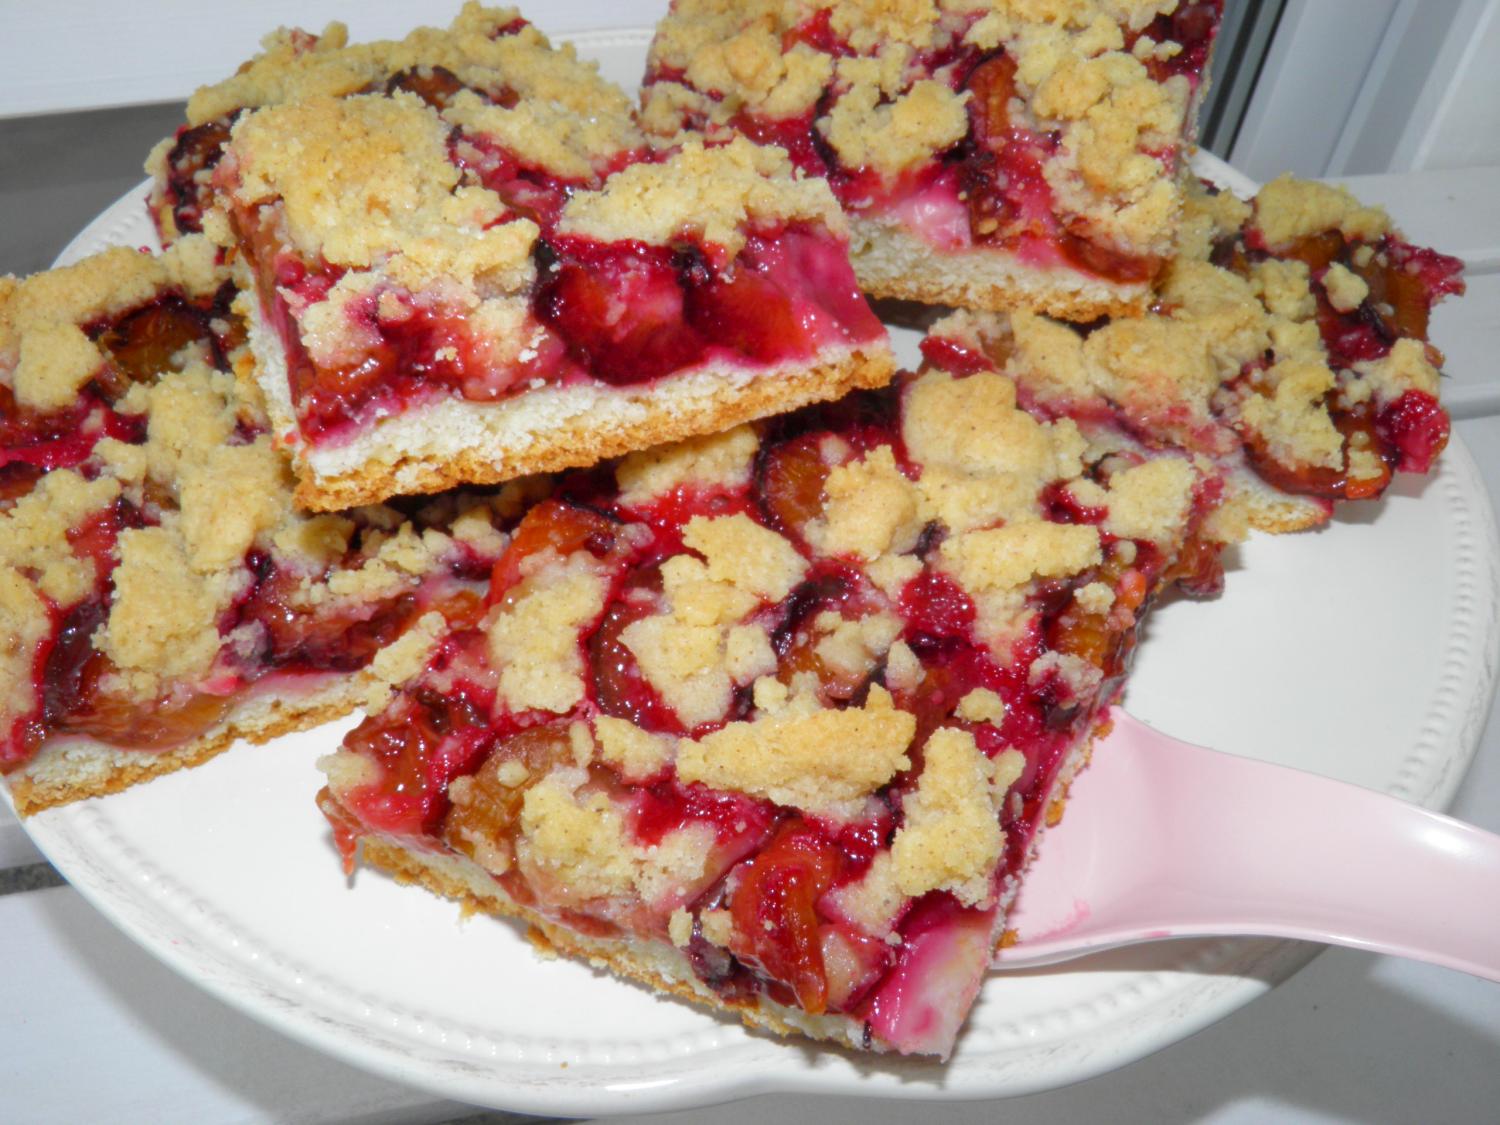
98,1030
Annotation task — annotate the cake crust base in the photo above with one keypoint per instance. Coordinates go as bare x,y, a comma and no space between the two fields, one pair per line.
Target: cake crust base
891,262
76,768
661,968
579,440
648,964
453,441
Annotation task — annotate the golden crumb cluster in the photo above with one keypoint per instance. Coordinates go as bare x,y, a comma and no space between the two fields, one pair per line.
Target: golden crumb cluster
709,194
366,182
1287,209
576,845
712,461
807,757
701,646
533,639
951,837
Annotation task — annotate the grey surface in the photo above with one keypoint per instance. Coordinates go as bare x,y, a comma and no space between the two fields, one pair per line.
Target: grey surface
32,877
58,172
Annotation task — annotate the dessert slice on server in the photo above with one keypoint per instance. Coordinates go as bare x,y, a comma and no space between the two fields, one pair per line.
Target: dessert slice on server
770,720
159,593
989,155
468,264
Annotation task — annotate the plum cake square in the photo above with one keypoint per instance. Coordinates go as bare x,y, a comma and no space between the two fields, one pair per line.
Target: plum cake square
469,263
989,155
160,595
771,720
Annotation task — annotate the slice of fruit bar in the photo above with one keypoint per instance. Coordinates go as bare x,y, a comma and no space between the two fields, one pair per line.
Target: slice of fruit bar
159,593
989,155
469,264
1288,342
770,720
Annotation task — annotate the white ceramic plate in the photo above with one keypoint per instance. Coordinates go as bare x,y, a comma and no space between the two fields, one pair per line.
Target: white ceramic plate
1364,651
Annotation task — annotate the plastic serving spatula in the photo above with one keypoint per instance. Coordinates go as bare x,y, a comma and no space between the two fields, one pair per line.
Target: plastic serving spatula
1163,839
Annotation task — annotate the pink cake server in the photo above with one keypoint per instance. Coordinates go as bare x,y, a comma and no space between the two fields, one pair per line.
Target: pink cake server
1163,839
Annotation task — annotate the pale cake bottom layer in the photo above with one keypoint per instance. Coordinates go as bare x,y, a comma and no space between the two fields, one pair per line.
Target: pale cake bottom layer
70,767
453,441
890,261
658,965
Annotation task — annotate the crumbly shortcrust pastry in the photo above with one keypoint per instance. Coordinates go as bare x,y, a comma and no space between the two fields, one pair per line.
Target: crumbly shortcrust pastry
1046,136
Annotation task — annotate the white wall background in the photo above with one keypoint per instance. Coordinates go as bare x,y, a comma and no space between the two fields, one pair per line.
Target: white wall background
1349,87
1363,86
86,54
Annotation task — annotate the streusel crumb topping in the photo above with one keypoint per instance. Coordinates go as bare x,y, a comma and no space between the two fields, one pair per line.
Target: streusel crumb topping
1150,500
873,902
746,555
700,648
570,141
295,66
576,843
25,624
708,194
871,509
826,676
806,757
951,837
1407,367
891,136
983,459
163,621
366,182
999,560
636,753
403,659
1287,209
33,534
579,840
534,639
882,105
711,461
